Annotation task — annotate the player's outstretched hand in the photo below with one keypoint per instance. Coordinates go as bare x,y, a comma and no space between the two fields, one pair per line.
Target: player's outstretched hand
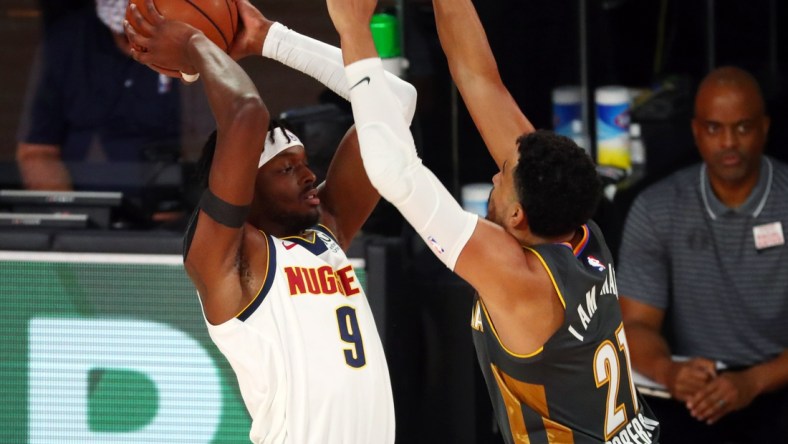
159,43
251,33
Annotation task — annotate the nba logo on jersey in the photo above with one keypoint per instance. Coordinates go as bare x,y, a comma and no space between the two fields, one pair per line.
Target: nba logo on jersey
330,244
435,245
594,262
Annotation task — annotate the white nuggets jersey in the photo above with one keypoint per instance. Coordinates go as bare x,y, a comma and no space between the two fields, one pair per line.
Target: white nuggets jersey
306,351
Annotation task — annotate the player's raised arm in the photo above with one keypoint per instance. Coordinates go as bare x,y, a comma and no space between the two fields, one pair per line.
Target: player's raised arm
394,168
473,68
346,177
242,120
261,36
347,196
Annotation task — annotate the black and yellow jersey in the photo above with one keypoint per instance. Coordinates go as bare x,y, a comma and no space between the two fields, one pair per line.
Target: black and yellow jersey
578,387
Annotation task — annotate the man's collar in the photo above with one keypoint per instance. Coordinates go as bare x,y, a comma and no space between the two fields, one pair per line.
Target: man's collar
754,203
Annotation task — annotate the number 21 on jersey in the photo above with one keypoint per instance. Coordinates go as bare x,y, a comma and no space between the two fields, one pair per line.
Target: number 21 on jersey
607,371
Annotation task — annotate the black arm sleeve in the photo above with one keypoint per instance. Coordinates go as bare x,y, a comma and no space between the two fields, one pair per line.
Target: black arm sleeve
222,211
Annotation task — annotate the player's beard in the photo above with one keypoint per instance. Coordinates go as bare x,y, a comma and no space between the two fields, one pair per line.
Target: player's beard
491,216
295,222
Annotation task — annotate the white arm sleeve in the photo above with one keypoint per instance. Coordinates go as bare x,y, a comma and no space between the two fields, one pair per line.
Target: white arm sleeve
323,62
395,169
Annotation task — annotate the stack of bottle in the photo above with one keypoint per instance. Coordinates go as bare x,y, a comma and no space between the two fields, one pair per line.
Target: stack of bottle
619,142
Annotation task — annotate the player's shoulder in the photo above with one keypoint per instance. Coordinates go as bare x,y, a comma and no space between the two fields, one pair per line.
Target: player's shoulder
542,262
256,242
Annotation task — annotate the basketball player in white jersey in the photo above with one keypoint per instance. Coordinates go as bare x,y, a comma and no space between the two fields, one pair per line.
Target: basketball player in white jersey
265,252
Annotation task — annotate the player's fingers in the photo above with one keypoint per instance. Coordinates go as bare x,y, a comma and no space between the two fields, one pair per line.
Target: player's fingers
139,55
135,38
153,13
242,7
138,21
146,59
244,15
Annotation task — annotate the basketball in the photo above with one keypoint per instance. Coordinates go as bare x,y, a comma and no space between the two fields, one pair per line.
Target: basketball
217,19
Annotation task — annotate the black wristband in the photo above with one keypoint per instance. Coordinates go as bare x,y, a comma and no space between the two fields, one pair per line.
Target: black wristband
223,212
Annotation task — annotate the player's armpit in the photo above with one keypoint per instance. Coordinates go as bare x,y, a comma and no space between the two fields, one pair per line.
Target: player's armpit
216,264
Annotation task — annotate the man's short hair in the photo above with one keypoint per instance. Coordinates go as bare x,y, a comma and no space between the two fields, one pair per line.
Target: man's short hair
556,182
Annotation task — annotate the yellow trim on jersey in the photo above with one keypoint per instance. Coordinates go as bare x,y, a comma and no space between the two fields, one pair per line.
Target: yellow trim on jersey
331,232
312,234
583,241
498,338
265,278
560,297
550,273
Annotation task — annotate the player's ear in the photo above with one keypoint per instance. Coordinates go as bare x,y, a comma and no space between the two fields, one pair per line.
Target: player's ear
517,216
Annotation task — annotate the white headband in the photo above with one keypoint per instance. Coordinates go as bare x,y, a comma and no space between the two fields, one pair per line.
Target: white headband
282,140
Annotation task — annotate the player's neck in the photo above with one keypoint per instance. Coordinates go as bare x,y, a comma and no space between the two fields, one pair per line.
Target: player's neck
277,230
529,239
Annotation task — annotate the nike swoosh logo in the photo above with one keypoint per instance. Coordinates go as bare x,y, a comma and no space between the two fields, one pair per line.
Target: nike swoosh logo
288,247
365,79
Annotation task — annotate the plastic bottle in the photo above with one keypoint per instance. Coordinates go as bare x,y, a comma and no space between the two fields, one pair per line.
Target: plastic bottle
567,115
637,151
385,34
612,123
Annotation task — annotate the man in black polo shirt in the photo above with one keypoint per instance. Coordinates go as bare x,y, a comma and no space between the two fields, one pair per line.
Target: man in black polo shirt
93,103
704,277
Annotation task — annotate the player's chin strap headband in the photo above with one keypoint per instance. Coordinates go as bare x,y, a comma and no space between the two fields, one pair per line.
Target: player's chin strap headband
276,141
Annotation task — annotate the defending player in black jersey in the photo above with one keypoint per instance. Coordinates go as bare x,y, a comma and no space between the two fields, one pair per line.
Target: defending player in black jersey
548,325
577,387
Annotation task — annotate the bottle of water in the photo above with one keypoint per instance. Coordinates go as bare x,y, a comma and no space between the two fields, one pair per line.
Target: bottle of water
386,35
637,152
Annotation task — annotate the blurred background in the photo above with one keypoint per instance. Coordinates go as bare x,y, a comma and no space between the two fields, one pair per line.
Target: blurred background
656,49
553,56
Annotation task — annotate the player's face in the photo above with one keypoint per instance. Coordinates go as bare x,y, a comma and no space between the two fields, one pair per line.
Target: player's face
730,130
503,194
286,190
